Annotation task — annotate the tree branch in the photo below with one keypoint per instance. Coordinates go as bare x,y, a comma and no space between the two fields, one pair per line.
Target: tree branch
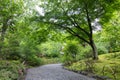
75,34
88,20
74,22
70,31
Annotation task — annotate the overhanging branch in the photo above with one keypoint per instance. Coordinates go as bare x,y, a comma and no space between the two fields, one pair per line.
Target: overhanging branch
70,31
77,26
75,34
74,22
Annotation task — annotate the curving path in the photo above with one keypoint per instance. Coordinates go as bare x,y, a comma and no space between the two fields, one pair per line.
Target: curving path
53,72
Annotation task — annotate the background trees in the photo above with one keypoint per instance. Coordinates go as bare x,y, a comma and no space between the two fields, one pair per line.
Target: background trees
24,27
111,33
77,17
31,28
9,12
20,35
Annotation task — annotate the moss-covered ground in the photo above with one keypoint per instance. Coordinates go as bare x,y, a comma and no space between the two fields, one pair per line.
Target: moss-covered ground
108,65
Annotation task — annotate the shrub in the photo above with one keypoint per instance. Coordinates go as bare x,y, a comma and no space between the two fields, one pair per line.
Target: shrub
9,49
50,49
84,52
102,47
29,54
70,52
33,60
9,70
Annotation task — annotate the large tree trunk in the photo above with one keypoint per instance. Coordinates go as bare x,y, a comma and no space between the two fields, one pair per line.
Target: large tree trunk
94,49
92,44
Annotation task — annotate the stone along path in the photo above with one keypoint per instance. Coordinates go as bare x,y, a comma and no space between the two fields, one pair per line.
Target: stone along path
53,72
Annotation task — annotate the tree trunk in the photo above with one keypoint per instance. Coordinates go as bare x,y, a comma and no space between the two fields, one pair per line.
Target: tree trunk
94,49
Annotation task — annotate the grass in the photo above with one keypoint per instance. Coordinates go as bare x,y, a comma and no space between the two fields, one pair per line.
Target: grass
11,70
107,65
50,60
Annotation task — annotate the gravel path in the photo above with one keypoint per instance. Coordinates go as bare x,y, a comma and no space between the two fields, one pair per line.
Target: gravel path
53,72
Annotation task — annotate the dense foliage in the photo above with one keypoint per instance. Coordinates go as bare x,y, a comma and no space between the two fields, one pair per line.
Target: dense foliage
11,70
70,52
41,31
50,49
77,16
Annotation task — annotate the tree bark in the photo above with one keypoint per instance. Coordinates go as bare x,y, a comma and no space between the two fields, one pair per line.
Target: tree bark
94,49
92,44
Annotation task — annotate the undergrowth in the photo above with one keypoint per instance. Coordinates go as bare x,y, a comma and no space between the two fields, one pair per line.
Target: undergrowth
108,65
11,70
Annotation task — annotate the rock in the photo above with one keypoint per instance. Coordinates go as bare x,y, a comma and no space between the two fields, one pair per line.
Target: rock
84,73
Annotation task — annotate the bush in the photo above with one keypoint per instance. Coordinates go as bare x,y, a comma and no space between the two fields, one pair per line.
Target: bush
29,54
10,49
50,49
33,60
9,70
84,52
70,52
102,47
